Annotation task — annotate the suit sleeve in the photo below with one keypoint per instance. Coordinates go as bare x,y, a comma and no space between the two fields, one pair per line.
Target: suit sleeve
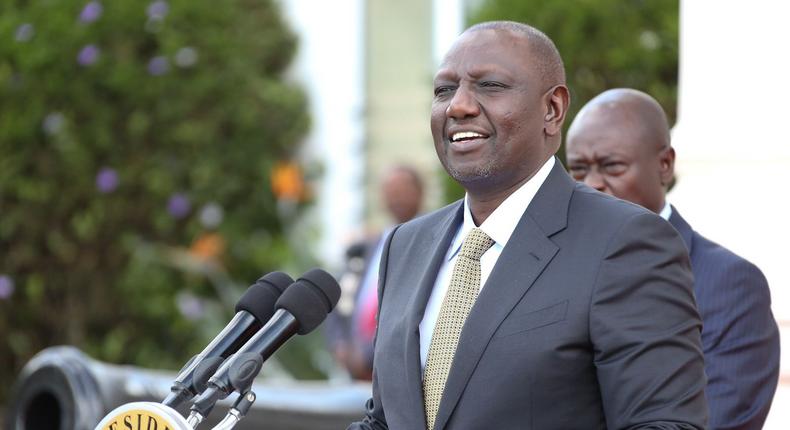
741,343
374,410
645,330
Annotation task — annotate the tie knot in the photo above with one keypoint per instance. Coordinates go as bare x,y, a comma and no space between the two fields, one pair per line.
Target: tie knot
476,244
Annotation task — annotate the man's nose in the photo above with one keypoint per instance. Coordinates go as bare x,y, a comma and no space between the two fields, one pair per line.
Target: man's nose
594,180
463,104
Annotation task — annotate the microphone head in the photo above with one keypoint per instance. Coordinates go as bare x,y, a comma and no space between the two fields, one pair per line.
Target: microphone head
260,298
310,299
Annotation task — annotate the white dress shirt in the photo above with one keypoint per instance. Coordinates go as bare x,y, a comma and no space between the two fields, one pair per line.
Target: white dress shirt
498,226
666,212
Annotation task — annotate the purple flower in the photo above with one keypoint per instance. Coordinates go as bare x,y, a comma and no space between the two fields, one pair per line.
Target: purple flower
88,55
178,206
189,306
91,12
107,180
6,286
24,32
158,66
158,9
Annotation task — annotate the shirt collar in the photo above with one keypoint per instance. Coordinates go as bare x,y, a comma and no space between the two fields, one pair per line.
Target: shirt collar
503,221
666,212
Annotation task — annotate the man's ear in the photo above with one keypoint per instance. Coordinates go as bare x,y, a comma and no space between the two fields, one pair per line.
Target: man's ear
666,159
557,101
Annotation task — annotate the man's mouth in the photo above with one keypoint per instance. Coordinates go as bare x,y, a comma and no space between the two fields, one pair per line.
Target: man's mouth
463,136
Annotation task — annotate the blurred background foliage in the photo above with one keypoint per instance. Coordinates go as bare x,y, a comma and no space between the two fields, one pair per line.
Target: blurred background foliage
604,44
146,173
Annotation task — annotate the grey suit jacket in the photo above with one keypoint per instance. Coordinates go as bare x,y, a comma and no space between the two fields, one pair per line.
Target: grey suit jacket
587,321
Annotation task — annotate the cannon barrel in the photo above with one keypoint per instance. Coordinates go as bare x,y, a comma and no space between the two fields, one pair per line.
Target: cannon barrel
61,388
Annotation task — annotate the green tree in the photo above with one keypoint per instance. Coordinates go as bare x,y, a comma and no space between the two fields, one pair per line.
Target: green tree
604,44
137,142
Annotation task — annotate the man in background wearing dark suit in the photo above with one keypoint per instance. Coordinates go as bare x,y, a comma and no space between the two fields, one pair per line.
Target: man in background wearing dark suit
535,302
619,144
350,329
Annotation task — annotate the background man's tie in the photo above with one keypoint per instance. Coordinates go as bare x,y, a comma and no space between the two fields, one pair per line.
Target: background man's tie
461,295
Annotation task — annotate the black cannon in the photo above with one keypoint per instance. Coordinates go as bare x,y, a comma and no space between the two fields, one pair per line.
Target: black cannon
63,389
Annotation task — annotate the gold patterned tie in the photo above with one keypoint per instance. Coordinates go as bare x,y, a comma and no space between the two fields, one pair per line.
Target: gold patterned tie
461,295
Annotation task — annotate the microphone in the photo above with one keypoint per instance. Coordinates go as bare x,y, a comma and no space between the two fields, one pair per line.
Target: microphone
253,309
301,308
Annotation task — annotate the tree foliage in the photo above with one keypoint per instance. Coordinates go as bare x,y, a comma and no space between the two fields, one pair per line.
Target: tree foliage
137,143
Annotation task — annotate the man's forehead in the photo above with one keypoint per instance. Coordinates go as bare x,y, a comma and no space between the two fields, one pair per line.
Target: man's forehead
598,148
485,41
606,127
607,115
471,69
485,51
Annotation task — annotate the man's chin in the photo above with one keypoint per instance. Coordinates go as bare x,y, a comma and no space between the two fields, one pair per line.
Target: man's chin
468,175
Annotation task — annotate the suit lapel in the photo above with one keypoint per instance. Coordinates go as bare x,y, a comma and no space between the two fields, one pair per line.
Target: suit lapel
435,251
527,253
682,227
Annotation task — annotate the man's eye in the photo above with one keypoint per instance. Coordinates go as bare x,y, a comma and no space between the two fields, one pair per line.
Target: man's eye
438,91
614,168
492,84
578,172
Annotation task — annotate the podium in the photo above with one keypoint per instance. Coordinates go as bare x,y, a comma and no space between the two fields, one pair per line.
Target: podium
62,388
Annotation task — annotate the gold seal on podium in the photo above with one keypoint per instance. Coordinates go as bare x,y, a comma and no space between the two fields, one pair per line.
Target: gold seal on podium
143,416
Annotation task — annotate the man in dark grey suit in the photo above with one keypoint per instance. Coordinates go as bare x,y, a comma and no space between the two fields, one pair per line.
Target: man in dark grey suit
581,313
619,144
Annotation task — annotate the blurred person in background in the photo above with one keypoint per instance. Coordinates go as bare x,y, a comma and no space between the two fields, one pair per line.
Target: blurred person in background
619,144
352,327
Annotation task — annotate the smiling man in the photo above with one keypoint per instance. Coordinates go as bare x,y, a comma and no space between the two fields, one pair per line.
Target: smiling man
619,144
534,302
